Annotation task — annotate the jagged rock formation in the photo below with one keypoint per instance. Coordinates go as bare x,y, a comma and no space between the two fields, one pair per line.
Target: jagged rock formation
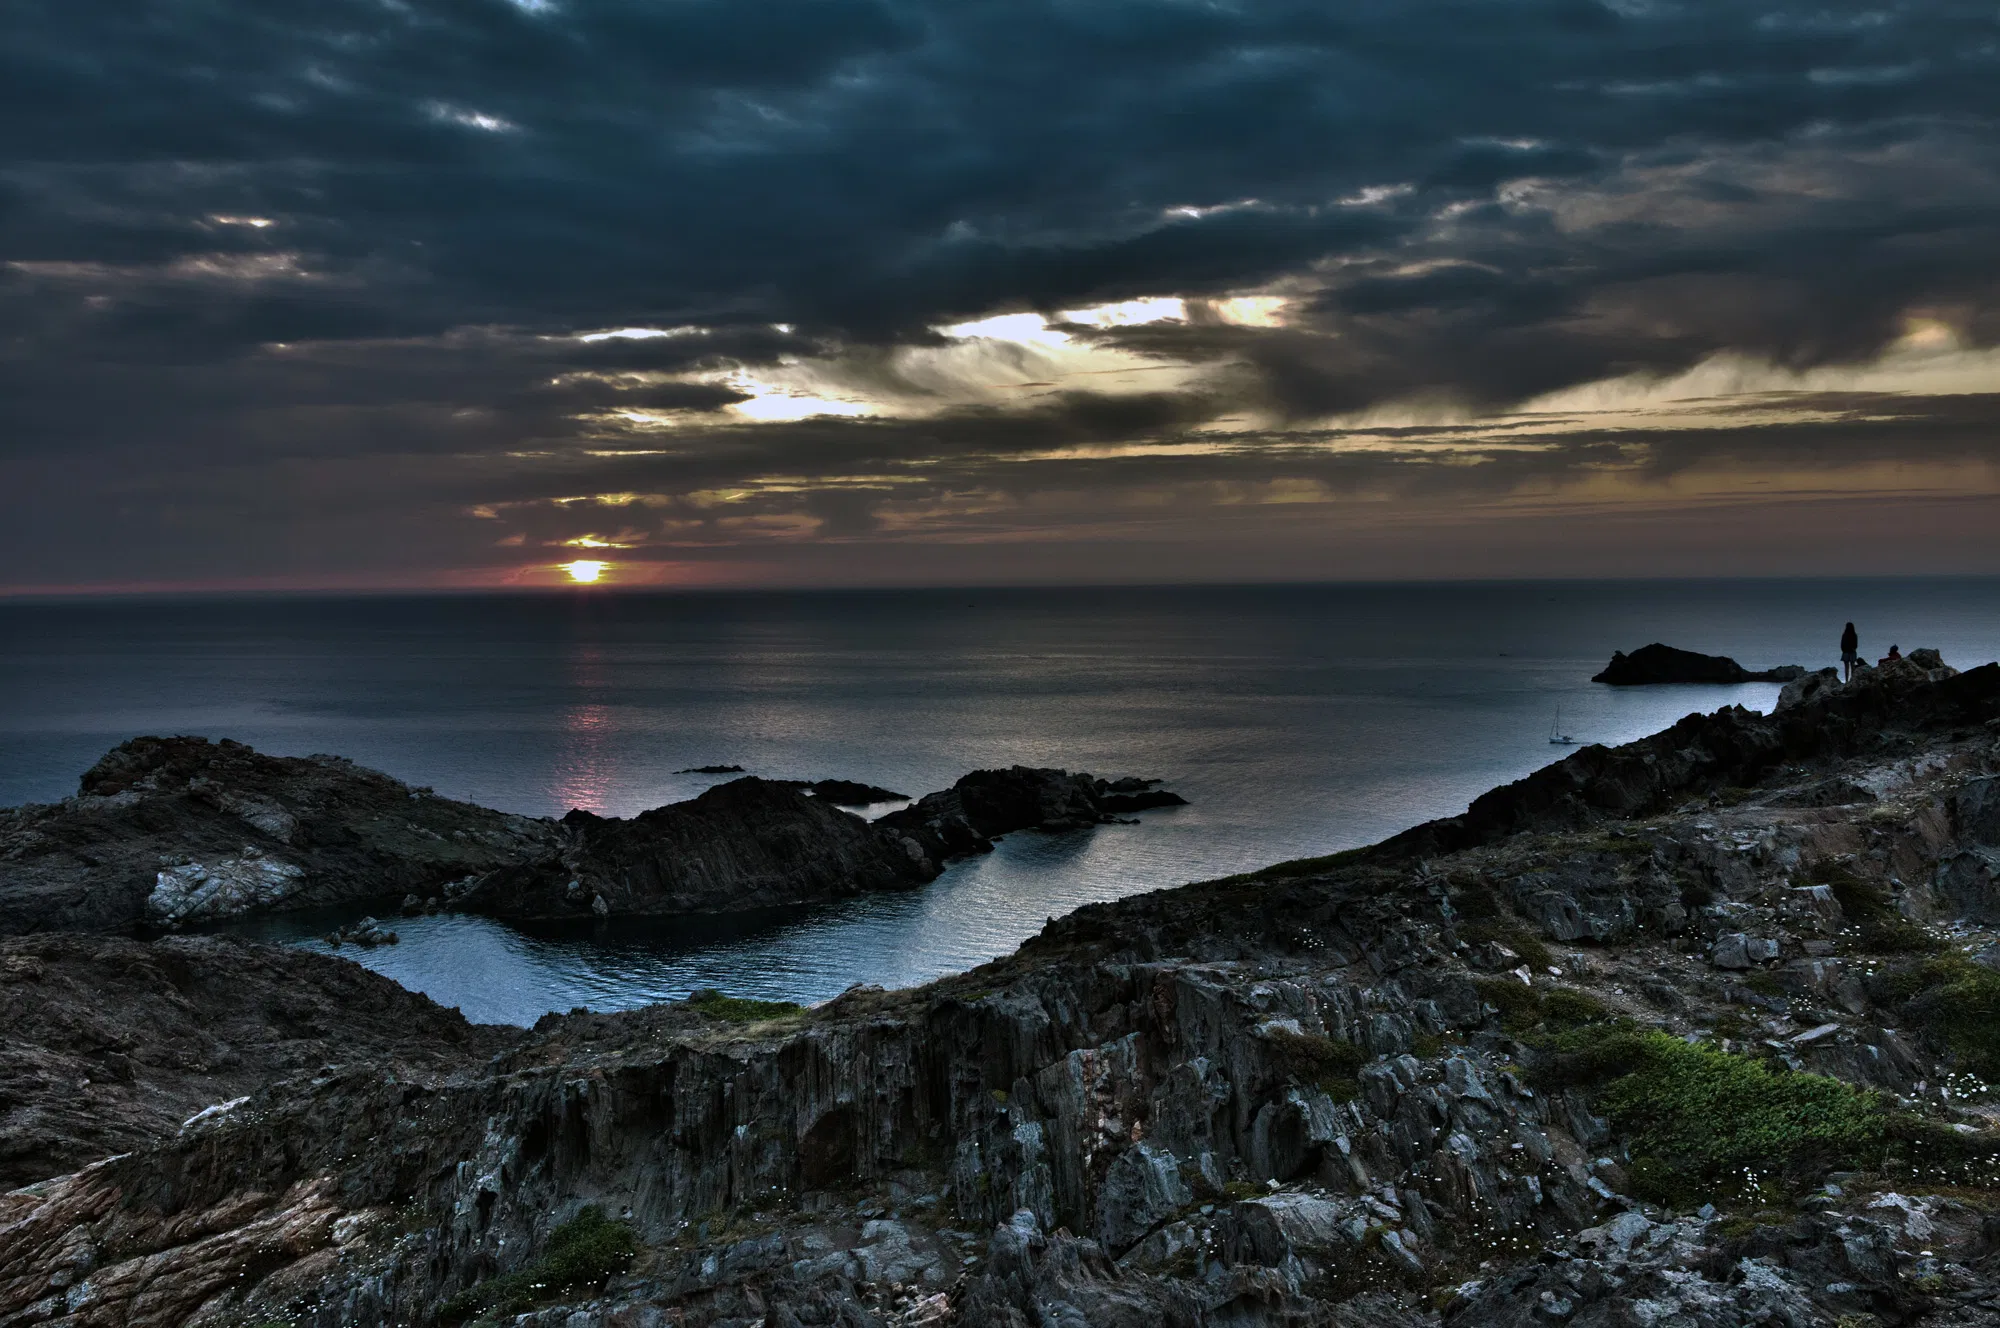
847,792
1425,1083
750,843
1658,663
166,831
971,814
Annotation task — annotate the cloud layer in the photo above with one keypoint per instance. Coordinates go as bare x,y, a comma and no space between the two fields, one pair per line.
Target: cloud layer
409,291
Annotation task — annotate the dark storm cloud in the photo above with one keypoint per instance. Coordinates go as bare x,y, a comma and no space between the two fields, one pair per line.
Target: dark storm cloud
1474,201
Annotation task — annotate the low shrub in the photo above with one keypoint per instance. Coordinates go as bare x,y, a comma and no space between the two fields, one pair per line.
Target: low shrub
1955,1004
1520,1006
1324,1063
581,1253
1524,1009
1702,1123
739,1009
1566,1007
1878,927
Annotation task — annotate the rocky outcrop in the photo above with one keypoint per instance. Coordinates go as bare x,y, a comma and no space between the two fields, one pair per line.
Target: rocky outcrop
109,1044
747,844
971,814
171,831
848,792
1658,663
754,843
1406,1086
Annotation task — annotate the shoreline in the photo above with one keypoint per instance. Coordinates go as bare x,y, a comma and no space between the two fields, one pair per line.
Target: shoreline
1347,1081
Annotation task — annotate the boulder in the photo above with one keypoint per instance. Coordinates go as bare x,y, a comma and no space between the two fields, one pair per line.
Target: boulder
1807,687
1736,950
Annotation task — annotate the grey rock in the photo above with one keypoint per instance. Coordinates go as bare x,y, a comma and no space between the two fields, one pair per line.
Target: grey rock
1142,1189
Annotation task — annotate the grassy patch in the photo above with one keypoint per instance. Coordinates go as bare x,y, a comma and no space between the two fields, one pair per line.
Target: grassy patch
739,1009
1524,1010
1624,846
1878,927
1322,1062
1703,1124
1566,1007
1482,917
1956,1004
1764,984
1520,1006
1285,871
581,1253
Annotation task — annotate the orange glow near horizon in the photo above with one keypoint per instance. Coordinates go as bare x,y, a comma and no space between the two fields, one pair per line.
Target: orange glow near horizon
585,570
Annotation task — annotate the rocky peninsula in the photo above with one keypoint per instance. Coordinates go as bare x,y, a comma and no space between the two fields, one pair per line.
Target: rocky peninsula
1691,1033
168,831
1657,663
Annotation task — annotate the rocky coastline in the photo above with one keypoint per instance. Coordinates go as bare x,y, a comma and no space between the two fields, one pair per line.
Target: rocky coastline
1691,1033
169,831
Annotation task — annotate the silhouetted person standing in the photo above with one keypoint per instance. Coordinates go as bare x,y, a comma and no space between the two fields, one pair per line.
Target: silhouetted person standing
1850,650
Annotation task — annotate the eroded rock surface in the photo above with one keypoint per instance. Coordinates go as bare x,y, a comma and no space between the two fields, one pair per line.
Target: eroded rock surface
108,1044
1378,1089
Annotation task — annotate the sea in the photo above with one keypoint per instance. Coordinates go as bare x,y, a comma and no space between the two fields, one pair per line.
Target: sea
1297,720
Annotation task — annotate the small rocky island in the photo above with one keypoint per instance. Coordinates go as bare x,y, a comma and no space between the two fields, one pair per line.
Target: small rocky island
1696,1032
168,831
1658,663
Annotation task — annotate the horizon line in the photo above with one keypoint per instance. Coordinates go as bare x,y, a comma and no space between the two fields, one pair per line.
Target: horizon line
10,596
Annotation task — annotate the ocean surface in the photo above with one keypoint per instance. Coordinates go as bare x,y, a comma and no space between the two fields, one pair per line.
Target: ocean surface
1297,720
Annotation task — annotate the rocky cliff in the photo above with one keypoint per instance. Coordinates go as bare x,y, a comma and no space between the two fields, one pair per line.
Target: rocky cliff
167,831
108,1044
1694,1033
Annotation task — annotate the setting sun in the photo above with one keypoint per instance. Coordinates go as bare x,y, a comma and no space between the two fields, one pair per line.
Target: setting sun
585,570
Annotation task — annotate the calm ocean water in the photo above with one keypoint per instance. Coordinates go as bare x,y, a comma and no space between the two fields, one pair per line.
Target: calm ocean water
1297,720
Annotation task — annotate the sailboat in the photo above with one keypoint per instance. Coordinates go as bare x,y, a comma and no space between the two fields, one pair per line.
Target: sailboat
1556,735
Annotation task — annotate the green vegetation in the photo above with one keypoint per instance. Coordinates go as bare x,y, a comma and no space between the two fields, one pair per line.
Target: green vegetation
739,1009
1704,1124
581,1253
1626,846
1322,1062
1956,1003
1878,926
1696,894
1524,1009
1764,984
1483,918
1285,871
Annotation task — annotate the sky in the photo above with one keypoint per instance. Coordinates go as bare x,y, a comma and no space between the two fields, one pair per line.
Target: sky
488,293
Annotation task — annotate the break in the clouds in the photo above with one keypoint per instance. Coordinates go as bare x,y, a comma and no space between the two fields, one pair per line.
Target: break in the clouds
444,291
